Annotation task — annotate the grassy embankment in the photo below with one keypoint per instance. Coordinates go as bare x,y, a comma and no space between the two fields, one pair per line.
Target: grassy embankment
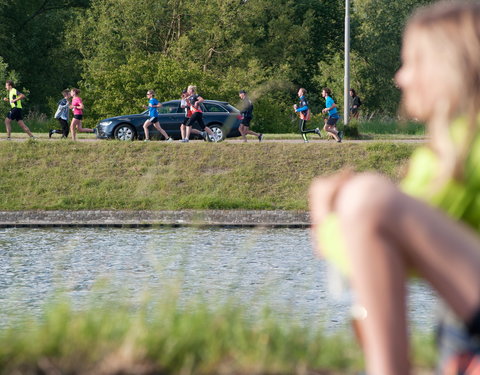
64,175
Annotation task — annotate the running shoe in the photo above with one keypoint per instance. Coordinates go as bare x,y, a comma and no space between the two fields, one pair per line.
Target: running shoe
317,131
169,139
260,137
50,132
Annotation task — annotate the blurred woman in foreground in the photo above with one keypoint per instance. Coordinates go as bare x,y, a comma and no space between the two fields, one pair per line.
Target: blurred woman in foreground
430,225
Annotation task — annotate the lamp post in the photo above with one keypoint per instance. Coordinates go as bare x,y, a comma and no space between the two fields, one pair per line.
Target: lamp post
346,81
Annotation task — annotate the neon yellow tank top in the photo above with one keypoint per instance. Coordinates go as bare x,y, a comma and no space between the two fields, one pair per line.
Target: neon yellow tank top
12,94
460,200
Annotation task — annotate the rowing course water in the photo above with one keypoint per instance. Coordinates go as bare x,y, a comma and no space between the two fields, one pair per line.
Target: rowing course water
253,267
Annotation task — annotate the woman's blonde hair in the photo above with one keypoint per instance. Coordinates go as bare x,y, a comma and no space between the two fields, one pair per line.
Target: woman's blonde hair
452,31
193,88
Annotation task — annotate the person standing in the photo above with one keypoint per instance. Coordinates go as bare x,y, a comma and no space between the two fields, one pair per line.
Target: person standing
194,101
15,114
247,116
184,103
303,110
356,103
62,116
331,122
152,106
77,108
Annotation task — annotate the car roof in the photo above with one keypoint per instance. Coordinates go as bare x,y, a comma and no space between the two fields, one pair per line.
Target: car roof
205,101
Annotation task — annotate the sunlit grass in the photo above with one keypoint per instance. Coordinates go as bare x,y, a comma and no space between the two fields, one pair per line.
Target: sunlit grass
157,176
163,338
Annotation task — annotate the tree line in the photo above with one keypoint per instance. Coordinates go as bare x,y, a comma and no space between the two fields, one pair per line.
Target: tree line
115,50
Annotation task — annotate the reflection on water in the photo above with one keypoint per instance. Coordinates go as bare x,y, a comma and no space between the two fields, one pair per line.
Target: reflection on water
254,267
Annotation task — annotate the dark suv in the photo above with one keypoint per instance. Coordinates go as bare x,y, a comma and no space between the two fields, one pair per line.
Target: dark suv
221,117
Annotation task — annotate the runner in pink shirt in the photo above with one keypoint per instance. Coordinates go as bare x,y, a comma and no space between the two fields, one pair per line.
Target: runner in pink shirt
77,107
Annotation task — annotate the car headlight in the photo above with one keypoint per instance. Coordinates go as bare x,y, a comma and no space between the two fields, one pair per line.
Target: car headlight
105,123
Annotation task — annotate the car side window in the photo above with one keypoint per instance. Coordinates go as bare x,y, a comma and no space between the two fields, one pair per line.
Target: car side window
168,108
210,107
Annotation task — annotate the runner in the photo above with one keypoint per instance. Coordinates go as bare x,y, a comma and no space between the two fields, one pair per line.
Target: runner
62,116
247,115
331,122
152,106
15,100
194,101
304,113
184,129
77,107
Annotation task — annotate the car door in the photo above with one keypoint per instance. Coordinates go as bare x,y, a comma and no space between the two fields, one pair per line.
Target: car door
170,118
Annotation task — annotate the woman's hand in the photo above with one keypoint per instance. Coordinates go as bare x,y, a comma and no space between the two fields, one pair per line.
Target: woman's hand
322,196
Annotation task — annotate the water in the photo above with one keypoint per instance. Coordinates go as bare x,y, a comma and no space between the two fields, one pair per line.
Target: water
253,267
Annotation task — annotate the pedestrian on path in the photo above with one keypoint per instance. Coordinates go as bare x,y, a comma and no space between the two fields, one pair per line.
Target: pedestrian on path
355,105
247,116
331,122
195,102
152,106
62,116
77,108
14,98
304,113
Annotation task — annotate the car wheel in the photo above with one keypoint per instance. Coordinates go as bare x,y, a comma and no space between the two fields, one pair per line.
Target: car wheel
218,131
124,132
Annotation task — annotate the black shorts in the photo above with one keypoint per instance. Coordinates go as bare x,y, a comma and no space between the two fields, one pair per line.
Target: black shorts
185,120
197,117
246,121
153,120
15,114
78,117
332,120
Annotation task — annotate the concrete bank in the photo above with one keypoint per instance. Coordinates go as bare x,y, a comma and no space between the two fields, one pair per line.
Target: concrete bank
114,218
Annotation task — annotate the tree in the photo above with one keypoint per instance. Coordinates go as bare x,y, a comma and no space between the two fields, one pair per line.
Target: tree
32,45
376,38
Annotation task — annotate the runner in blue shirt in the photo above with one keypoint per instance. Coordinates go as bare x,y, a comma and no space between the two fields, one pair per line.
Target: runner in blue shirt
303,111
331,121
153,104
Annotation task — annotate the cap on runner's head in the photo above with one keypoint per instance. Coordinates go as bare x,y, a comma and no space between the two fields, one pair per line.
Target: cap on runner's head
242,92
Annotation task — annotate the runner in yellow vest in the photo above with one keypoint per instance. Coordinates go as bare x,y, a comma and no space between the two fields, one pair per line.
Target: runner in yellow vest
15,100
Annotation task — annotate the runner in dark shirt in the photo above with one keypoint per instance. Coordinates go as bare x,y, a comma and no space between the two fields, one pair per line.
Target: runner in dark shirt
194,101
247,116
